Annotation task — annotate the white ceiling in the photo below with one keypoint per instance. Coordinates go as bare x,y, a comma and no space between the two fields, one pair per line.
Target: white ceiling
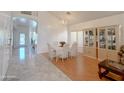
21,21
82,16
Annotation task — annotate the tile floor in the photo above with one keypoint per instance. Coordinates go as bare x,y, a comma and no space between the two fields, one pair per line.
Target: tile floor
24,65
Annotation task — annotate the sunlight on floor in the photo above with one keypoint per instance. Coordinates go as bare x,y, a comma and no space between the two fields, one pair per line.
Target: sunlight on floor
22,53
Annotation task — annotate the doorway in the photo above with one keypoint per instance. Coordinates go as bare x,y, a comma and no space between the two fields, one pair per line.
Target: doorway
22,39
24,32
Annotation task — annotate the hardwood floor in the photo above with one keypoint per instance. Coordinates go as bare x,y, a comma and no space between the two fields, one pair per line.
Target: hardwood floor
81,68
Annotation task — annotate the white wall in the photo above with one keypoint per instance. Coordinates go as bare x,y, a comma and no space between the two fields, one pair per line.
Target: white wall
50,29
106,21
4,44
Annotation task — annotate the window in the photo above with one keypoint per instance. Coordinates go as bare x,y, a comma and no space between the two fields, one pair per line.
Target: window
73,37
80,39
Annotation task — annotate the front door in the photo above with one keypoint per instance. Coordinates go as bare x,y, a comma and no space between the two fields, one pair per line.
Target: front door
22,39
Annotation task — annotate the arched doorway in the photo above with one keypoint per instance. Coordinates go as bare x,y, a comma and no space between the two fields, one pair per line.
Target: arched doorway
24,32
24,37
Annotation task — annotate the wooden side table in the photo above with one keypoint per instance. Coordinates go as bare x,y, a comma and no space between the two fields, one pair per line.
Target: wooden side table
110,66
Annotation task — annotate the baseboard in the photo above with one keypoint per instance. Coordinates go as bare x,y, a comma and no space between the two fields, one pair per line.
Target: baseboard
89,56
93,57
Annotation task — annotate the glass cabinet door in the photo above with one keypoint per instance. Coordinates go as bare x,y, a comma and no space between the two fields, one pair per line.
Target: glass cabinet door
91,38
86,41
102,40
111,38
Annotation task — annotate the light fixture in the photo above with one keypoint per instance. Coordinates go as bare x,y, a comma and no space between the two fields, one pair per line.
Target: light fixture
64,22
68,13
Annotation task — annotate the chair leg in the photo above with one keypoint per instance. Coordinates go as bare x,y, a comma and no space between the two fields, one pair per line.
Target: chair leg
50,58
67,58
62,59
56,59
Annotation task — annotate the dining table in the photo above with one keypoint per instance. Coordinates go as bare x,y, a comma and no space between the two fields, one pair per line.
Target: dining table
59,49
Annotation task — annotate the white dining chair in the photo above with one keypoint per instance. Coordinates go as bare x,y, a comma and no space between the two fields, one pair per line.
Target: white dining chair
73,50
63,53
51,52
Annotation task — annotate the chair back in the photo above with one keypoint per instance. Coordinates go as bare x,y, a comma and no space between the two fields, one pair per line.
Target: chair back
51,51
65,50
74,49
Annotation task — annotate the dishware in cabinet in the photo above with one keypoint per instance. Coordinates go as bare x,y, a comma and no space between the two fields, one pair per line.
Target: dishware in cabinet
112,37
102,38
